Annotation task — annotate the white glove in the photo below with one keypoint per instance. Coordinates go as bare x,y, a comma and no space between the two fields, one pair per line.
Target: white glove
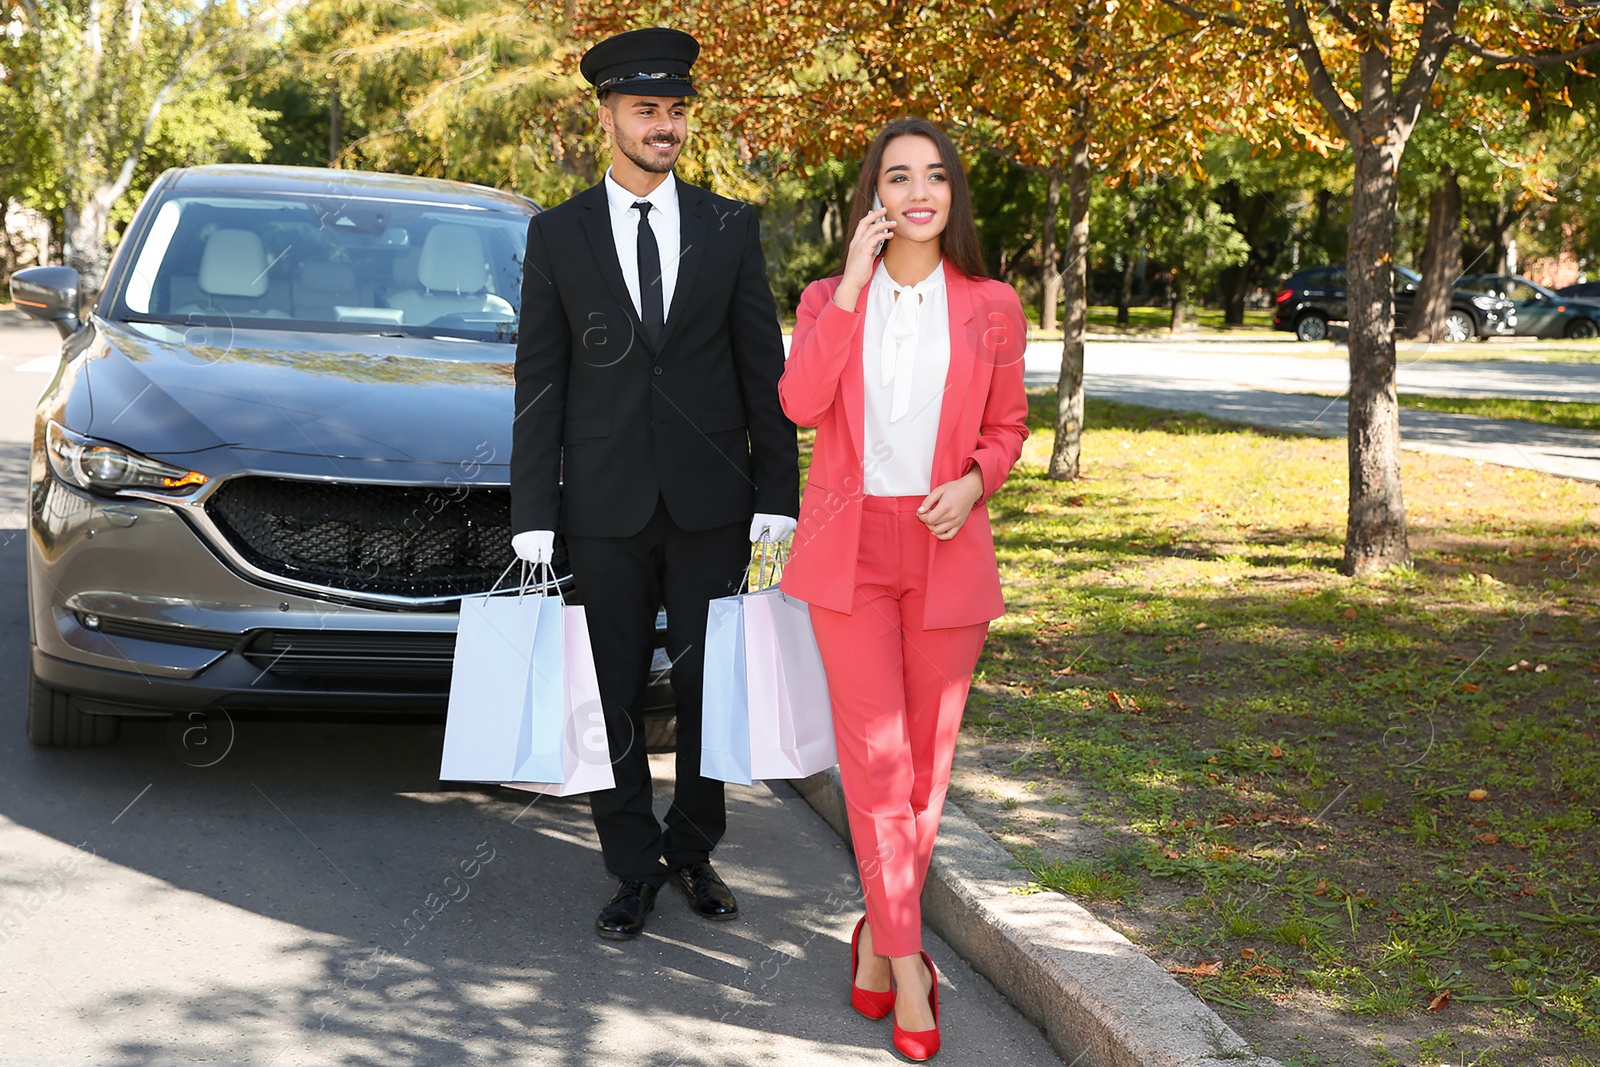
534,546
775,527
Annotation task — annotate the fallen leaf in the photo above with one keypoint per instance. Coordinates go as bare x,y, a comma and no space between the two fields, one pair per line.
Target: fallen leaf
1478,794
1275,752
1202,626
1262,970
1484,578
1171,855
1199,970
1348,613
1247,953
1488,839
1439,1001
1541,668
1468,687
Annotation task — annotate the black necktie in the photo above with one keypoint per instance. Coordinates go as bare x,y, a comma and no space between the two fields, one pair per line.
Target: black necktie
652,308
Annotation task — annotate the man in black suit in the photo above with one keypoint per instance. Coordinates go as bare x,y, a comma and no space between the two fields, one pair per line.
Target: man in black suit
648,431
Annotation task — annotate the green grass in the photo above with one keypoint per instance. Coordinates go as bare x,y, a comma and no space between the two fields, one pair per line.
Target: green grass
1289,761
1103,319
1548,412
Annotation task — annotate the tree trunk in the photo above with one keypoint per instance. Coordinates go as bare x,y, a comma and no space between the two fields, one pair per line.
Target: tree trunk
1125,297
1049,276
1441,260
1064,457
1129,263
335,117
1375,536
85,249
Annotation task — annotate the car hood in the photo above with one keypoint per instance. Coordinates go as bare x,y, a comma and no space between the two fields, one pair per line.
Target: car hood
175,393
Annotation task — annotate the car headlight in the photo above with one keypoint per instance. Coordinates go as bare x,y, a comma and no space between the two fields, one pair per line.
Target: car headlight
1487,303
102,467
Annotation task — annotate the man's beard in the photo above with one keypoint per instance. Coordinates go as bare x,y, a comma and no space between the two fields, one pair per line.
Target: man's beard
648,161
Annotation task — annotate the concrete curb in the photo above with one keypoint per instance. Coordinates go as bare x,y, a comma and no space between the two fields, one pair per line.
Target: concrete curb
1100,1001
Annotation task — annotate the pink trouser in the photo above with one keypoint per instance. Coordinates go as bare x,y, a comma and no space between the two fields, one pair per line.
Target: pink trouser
898,691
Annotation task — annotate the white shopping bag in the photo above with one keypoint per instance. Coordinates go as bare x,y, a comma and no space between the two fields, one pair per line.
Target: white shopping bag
724,711
581,763
490,731
765,711
791,718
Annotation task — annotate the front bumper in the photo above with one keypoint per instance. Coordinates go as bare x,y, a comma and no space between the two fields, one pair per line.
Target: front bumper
132,612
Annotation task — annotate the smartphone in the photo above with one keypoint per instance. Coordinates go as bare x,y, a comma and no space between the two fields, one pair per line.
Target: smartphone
877,205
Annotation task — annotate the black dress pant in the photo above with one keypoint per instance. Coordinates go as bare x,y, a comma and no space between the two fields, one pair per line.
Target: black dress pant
623,582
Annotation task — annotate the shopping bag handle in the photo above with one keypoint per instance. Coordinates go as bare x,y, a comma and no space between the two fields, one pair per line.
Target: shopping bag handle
540,577
769,567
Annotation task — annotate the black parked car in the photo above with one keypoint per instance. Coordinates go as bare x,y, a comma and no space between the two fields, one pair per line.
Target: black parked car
1582,290
274,457
1315,297
1541,312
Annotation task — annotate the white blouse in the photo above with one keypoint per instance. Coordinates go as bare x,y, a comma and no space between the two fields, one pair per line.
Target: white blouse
905,356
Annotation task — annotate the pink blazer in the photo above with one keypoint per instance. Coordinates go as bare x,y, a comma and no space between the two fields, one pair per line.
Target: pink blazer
982,423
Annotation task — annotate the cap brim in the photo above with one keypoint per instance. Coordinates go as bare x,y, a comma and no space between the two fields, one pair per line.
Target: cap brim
651,87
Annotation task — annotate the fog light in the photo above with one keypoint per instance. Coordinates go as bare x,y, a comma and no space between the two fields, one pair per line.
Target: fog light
91,622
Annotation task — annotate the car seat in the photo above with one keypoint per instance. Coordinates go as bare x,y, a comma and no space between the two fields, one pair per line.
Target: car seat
452,279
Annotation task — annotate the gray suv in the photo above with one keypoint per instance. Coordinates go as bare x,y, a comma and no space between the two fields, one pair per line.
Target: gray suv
274,456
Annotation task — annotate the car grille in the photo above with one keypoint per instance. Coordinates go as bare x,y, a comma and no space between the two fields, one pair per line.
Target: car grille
382,539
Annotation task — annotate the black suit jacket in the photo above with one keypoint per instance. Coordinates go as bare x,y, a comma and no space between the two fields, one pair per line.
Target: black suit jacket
606,422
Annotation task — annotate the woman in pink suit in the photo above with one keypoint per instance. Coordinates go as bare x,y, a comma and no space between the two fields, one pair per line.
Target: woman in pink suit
909,365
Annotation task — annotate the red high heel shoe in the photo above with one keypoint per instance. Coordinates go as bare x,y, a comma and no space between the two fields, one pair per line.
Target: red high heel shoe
921,1044
869,1002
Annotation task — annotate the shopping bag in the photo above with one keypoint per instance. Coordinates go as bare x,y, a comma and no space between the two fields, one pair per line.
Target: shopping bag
490,731
724,711
791,718
765,711
581,763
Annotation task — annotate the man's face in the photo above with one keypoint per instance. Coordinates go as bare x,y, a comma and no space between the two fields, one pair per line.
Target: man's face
648,130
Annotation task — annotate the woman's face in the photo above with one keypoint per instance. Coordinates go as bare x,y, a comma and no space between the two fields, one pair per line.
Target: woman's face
915,188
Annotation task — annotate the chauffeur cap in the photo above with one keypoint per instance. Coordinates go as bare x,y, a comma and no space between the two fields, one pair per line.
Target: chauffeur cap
648,62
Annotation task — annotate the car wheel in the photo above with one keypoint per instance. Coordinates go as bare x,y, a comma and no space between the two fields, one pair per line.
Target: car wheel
54,719
1459,327
1582,329
1311,326
660,733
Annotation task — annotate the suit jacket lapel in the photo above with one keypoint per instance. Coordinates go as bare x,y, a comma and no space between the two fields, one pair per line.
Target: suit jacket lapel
693,227
965,339
602,242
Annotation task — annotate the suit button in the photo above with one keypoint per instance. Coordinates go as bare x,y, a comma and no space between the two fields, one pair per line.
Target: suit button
658,370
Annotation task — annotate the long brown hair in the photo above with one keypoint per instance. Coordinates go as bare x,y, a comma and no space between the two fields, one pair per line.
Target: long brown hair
959,242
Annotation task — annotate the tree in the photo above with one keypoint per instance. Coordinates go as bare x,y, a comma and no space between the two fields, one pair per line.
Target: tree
1073,88
111,79
1372,66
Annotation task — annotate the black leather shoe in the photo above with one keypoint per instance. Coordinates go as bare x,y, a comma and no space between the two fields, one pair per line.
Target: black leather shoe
622,919
708,894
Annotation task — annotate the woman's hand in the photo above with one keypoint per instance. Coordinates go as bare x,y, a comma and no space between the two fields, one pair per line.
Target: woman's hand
859,258
946,509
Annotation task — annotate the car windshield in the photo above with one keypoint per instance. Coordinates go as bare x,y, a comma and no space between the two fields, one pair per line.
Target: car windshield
344,264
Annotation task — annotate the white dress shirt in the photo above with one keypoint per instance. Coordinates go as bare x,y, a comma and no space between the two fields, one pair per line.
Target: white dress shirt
663,223
905,356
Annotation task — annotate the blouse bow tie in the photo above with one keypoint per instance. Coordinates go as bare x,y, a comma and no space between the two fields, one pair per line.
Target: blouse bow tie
897,354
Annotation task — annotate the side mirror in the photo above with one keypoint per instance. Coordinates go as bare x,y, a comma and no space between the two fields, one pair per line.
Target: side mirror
49,294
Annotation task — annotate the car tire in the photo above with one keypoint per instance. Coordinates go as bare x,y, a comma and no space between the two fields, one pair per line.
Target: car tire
1459,327
54,720
1312,326
660,733
1581,330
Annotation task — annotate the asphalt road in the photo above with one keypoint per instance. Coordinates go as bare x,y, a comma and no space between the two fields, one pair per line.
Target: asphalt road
1263,383
299,893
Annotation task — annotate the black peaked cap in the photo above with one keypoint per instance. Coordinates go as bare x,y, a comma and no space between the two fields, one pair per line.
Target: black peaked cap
648,62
